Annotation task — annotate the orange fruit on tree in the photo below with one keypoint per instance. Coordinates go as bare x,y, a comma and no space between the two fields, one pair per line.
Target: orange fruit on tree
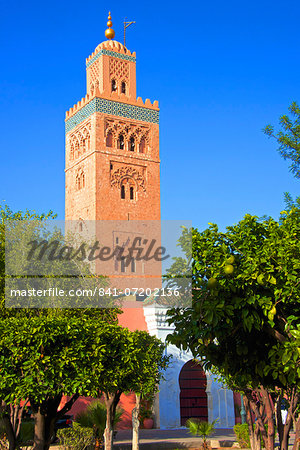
230,260
228,269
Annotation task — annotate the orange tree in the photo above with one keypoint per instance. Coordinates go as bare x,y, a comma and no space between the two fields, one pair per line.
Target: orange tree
133,361
45,353
43,358
244,322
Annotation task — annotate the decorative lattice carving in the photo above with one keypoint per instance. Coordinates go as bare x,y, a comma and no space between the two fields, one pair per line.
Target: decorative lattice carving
124,172
94,72
119,70
80,141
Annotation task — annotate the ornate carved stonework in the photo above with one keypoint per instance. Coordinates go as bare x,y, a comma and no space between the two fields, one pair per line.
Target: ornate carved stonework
119,69
79,141
127,172
94,72
128,129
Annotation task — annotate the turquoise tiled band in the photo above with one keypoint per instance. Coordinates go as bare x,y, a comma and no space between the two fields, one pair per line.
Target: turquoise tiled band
113,108
110,53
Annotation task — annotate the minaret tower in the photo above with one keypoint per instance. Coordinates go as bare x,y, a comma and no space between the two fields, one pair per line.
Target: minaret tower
112,142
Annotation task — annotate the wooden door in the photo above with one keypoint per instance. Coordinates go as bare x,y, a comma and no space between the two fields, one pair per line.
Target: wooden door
193,397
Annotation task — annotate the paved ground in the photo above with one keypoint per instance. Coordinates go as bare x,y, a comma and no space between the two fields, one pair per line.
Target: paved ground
174,439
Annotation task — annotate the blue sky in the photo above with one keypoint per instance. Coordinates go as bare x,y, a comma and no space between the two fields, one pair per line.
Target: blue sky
220,70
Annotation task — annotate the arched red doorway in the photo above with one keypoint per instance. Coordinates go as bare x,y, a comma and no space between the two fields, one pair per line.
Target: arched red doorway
193,397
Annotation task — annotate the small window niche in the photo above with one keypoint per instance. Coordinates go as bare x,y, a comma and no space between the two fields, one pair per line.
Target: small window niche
123,87
122,191
121,142
142,146
131,193
132,144
113,85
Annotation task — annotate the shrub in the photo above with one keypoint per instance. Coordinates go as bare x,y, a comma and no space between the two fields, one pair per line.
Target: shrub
241,431
76,438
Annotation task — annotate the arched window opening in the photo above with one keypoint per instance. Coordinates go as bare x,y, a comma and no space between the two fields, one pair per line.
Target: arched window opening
131,191
123,87
80,181
84,143
80,227
123,191
121,142
142,146
109,139
113,86
132,144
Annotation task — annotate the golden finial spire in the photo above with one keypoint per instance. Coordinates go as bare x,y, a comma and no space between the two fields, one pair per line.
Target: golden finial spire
109,33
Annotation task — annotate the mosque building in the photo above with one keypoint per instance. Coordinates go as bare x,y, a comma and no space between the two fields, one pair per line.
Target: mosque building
113,174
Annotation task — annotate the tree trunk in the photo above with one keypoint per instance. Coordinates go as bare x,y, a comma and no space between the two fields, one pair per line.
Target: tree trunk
9,429
136,422
108,438
258,410
269,414
296,445
12,418
9,432
280,426
111,401
249,422
254,435
45,417
39,442
257,438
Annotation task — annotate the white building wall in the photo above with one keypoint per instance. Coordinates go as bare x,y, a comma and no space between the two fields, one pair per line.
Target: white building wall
220,400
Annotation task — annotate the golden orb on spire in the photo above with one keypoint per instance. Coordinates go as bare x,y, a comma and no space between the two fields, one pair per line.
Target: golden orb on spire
109,33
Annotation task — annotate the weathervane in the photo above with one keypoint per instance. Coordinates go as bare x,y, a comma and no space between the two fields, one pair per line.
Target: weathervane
126,25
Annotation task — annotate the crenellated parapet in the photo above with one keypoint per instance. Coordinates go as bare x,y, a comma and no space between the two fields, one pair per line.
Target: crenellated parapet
84,109
118,98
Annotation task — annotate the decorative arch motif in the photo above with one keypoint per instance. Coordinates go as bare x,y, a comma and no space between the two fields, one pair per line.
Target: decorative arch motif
80,141
128,130
80,180
122,173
